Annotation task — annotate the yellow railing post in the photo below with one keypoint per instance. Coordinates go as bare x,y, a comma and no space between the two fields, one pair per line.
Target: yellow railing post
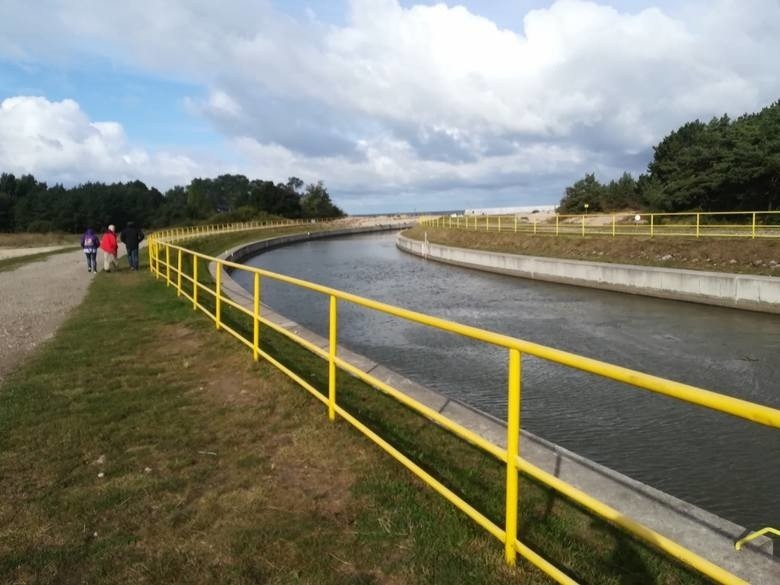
154,252
754,225
534,226
512,451
218,296
515,224
194,282
332,360
256,320
698,223
651,225
499,223
167,265
556,224
178,273
583,225
613,225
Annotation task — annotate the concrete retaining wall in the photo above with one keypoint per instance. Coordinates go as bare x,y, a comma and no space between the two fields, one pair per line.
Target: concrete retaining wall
243,252
756,293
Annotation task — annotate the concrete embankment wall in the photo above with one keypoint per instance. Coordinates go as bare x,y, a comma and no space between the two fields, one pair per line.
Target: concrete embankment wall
243,252
708,535
742,291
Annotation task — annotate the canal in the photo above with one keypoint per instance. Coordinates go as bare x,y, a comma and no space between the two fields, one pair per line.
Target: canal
722,464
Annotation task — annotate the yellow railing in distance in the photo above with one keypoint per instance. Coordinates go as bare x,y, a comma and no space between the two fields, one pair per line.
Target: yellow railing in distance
720,224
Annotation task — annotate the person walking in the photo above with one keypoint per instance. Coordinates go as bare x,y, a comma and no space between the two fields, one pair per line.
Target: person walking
110,248
131,237
90,243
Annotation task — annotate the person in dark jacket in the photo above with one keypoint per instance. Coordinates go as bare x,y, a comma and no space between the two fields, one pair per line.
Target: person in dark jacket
90,244
131,237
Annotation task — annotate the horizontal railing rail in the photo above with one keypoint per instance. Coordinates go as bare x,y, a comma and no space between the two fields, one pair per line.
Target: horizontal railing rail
167,260
179,233
721,224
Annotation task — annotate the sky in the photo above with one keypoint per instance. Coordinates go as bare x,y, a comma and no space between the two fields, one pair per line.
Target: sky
395,105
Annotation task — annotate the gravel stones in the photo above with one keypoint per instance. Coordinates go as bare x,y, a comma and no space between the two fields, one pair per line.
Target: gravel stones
35,299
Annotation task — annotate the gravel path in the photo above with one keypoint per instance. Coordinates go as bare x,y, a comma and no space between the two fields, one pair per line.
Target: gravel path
36,299
16,252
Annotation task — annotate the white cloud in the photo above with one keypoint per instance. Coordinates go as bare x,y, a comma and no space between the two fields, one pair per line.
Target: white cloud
58,142
390,166
433,96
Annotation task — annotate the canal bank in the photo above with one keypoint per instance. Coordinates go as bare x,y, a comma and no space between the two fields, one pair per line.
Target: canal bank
696,529
741,291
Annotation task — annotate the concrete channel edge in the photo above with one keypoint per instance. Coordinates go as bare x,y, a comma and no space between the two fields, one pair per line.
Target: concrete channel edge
740,291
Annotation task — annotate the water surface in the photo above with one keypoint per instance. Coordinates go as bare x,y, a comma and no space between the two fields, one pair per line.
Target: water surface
725,465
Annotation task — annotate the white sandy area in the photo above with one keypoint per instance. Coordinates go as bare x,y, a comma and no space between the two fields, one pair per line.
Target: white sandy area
399,219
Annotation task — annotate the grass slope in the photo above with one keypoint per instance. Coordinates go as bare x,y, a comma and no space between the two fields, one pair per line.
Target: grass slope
140,446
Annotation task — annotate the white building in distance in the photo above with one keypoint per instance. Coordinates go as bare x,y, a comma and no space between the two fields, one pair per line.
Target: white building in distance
510,210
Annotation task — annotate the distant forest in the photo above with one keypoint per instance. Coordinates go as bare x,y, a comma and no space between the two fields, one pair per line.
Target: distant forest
724,165
27,204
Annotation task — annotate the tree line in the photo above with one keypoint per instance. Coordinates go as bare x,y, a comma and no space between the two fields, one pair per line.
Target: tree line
723,165
27,204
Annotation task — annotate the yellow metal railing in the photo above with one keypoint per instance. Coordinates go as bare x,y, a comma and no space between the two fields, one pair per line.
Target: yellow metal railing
180,233
725,224
753,535
160,250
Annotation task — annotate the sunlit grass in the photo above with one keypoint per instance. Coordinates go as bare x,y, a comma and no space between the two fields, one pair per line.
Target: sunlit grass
139,445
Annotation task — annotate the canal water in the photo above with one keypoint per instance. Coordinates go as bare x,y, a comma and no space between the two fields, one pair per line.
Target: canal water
722,464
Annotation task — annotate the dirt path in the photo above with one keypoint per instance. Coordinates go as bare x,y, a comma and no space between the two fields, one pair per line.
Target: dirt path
17,252
36,299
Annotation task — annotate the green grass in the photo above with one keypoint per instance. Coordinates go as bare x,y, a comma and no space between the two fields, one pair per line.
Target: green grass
17,261
220,470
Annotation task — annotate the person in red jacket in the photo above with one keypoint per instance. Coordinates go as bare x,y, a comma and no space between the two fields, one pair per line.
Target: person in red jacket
110,248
